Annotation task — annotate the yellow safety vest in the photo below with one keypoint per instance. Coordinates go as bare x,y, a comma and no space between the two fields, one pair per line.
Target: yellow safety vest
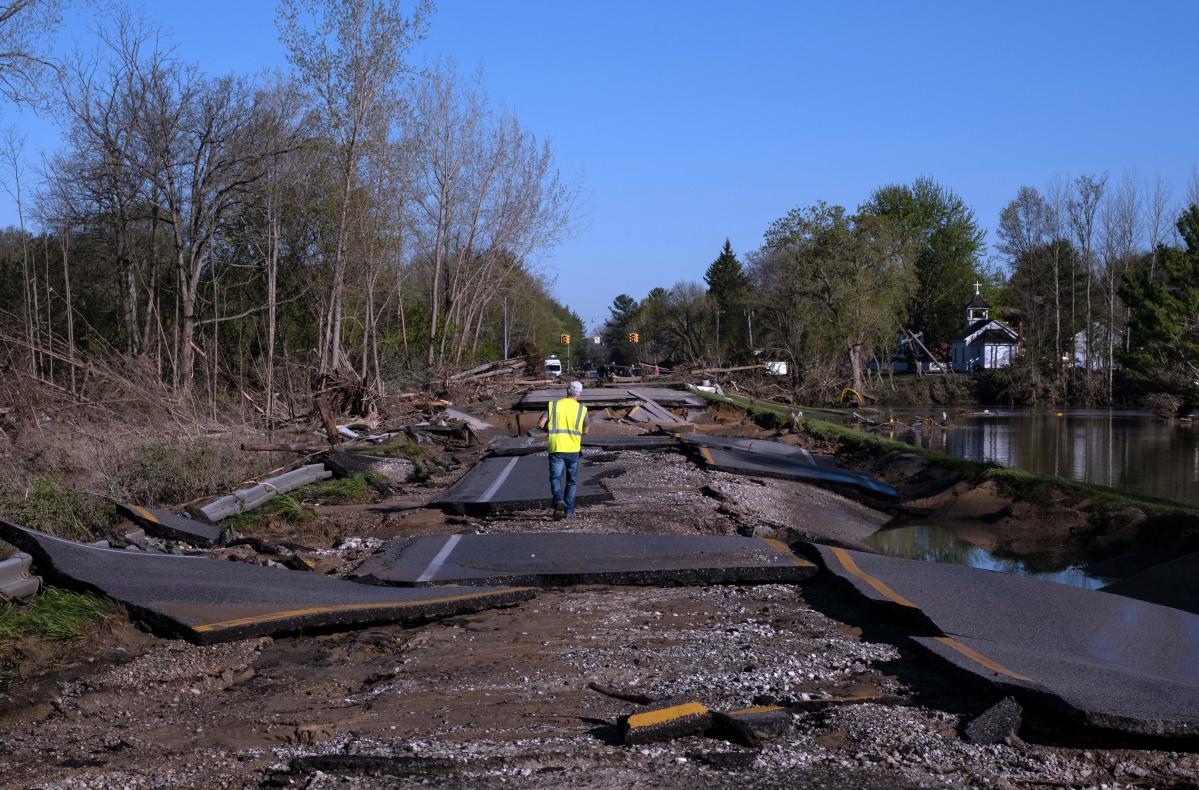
565,426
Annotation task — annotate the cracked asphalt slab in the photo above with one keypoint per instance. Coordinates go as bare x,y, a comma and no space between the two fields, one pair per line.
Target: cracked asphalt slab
207,600
1111,661
567,558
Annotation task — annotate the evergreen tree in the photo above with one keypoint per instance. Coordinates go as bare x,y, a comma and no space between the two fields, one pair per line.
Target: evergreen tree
1164,317
729,287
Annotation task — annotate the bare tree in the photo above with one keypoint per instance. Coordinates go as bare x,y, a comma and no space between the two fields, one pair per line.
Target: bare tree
25,29
1120,227
487,198
1084,203
350,54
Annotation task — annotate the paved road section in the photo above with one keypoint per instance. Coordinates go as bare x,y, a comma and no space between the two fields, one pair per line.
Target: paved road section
171,526
1174,583
527,445
517,482
786,467
205,600
560,558
609,396
1110,661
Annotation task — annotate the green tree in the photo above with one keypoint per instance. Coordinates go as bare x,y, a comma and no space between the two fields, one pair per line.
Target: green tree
1164,316
624,313
729,287
844,281
941,228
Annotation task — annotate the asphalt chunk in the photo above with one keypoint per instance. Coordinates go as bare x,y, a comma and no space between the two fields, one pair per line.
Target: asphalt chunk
665,723
206,600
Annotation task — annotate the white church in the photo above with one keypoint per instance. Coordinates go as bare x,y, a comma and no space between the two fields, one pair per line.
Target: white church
984,343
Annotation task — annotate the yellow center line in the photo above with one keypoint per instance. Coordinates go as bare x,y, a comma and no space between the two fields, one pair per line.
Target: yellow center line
650,718
146,514
852,567
349,607
779,546
979,658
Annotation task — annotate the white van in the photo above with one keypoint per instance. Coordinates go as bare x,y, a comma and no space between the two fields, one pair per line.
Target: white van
553,368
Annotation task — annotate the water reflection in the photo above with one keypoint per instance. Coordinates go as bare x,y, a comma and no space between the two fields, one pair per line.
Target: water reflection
935,544
1132,451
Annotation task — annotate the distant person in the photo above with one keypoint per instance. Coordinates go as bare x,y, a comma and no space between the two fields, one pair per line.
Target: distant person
565,422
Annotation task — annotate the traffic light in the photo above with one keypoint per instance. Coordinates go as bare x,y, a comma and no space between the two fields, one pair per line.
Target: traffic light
564,338
634,337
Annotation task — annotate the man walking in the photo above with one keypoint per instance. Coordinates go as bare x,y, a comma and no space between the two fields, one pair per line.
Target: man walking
565,422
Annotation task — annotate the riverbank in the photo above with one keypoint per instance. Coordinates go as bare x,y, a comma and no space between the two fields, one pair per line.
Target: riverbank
1048,519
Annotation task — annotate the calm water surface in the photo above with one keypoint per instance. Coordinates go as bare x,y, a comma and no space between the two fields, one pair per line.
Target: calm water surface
1131,451
935,544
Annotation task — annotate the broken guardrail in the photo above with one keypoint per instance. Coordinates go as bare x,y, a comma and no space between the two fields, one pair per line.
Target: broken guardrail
256,495
16,581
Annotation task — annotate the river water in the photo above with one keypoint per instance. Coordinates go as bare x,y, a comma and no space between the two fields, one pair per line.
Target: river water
937,544
1131,451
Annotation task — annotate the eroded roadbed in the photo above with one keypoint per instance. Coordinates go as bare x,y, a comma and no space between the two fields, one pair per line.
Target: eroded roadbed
1110,661
563,558
205,600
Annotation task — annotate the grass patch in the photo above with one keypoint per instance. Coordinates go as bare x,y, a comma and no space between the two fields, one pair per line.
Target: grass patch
283,508
353,490
50,507
56,614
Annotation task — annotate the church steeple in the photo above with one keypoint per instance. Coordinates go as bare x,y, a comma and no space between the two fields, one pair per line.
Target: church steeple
978,309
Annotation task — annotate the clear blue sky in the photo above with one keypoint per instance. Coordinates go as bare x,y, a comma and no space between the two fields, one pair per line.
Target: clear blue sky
690,122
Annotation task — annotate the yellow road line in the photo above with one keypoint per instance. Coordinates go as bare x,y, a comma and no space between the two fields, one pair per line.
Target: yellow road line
706,454
146,514
852,567
349,607
650,718
979,658
778,545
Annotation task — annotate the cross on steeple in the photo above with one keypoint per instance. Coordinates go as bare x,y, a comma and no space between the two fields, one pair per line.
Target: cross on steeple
977,285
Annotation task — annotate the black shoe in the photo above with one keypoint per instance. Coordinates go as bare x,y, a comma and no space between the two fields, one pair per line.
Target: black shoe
559,511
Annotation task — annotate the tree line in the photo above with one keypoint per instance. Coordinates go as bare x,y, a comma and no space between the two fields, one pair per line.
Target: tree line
356,217
1091,272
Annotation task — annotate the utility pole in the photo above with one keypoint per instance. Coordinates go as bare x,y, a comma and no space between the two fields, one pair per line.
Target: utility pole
505,326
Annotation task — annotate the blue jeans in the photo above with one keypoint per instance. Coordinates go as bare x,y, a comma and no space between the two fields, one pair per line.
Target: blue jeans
559,463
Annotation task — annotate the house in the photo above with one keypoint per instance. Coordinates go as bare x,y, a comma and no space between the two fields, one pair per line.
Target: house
1098,343
984,343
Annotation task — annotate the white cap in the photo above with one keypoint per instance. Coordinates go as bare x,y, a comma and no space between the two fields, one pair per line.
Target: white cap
576,387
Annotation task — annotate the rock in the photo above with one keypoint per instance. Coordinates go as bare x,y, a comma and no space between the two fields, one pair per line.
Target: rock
983,502
665,723
1122,528
752,726
996,724
894,468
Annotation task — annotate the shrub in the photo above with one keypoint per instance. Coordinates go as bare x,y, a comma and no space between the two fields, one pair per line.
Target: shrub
163,474
50,507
